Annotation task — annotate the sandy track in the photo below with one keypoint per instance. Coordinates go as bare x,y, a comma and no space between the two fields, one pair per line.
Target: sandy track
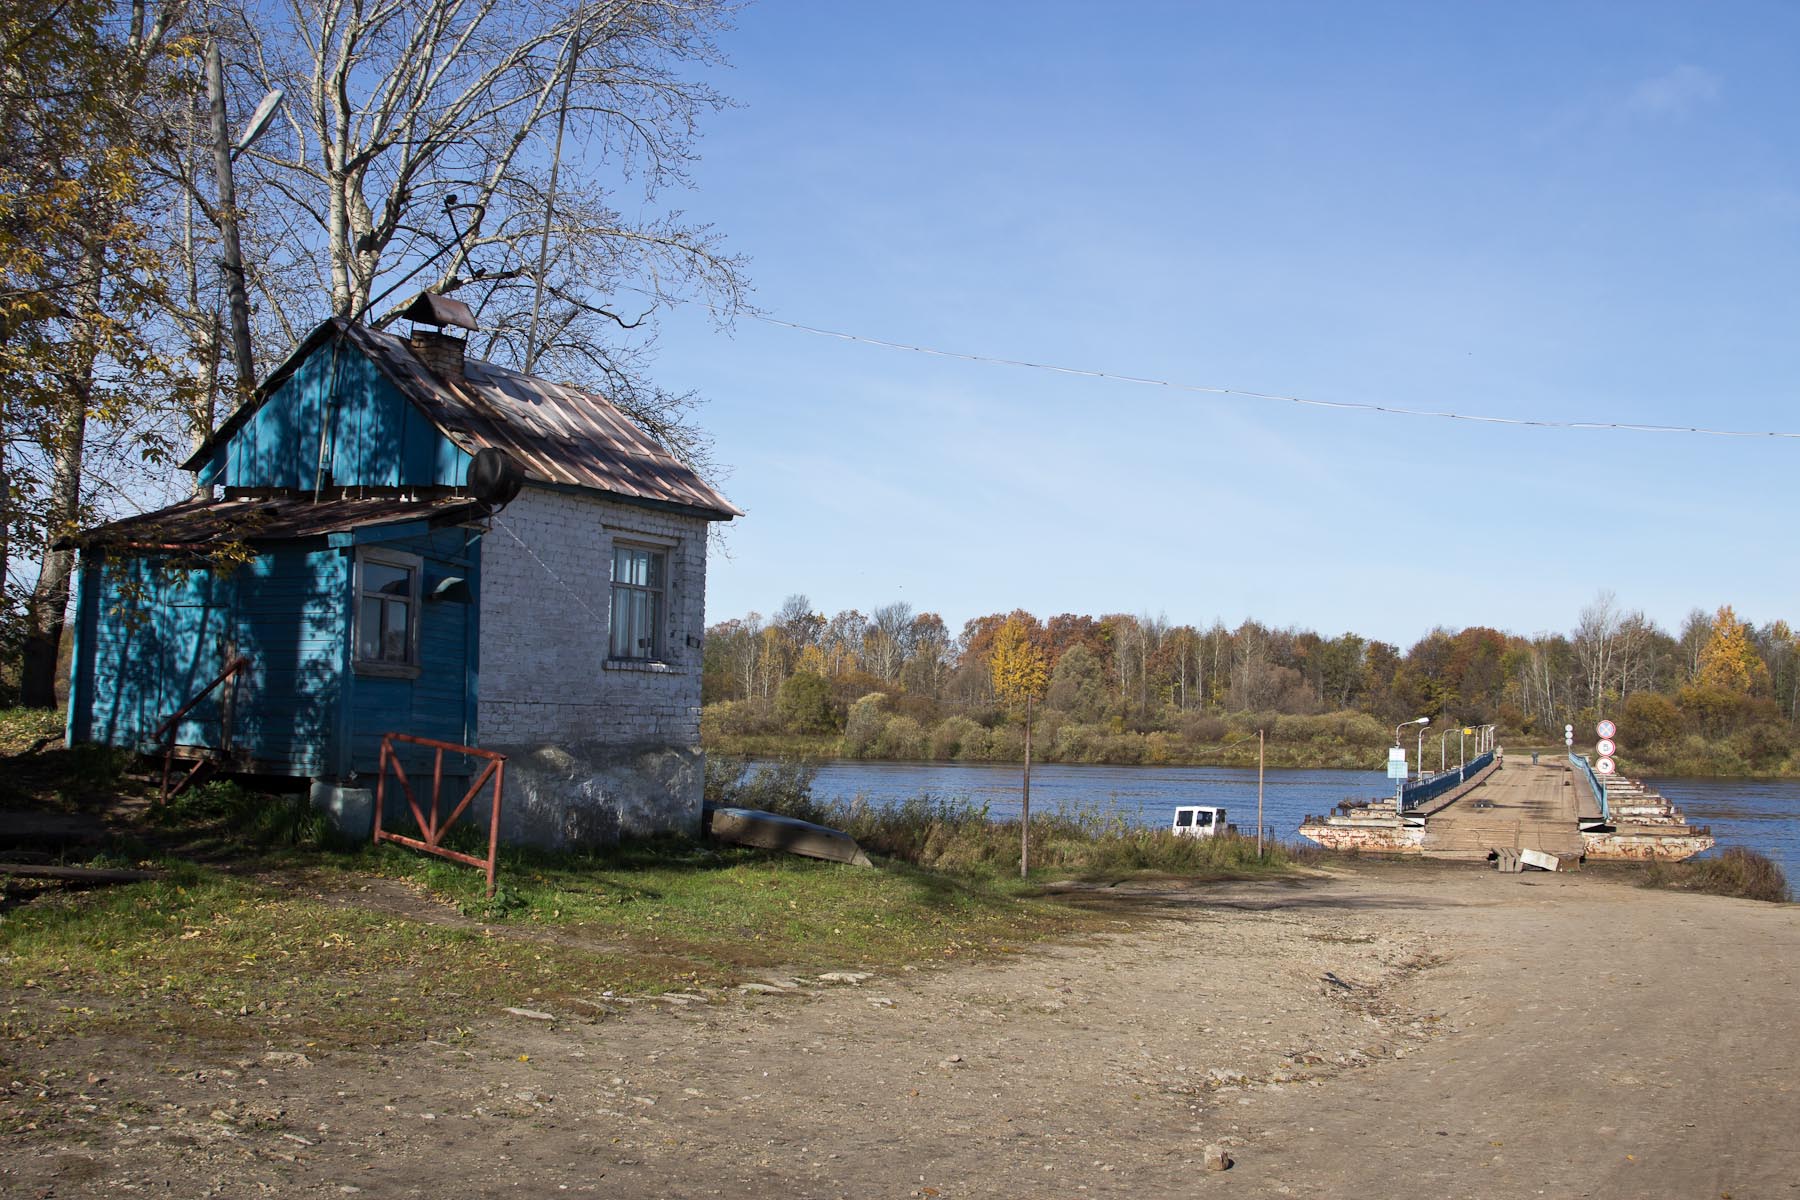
1390,1031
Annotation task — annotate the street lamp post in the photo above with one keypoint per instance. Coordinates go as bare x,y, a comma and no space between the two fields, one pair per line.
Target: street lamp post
1443,756
1400,783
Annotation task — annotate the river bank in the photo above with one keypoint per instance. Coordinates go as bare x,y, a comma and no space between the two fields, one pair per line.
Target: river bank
1162,749
1759,815
1388,1029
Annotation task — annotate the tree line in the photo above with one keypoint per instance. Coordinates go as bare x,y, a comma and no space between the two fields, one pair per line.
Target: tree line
1717,696
517,155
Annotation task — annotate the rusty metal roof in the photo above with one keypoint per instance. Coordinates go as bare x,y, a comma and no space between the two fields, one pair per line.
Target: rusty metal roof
200,524
560,434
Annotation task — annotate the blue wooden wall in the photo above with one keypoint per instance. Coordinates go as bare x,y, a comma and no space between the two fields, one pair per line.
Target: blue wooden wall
378,438
150,634
160,640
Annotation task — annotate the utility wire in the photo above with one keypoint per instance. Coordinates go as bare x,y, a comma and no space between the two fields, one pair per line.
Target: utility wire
1245,393
579,599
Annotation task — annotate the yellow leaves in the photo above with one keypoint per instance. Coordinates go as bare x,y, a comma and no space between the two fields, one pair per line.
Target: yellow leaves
1017,667
1729,663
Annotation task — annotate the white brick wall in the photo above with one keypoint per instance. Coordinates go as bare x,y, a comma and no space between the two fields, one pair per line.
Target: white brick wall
545,608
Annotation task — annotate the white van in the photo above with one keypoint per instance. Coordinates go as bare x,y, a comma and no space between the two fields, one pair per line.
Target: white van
1198,820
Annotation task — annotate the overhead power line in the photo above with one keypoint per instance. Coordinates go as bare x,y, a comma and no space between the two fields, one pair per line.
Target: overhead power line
1245,393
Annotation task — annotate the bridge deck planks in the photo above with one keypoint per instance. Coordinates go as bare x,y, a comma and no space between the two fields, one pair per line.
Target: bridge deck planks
1532,809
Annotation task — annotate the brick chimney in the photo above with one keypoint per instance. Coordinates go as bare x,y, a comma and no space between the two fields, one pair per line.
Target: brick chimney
441,352
435,348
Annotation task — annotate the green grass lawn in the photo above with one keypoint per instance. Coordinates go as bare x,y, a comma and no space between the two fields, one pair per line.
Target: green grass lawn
270,939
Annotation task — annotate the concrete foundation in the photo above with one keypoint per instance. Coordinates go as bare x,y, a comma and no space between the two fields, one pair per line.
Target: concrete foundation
574,797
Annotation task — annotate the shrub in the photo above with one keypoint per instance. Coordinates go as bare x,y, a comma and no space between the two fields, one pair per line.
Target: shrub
901,738
1075,744
1652,719
803,704
862,728
1763,745
782,787
1201,729
1736,872
740,718
948,737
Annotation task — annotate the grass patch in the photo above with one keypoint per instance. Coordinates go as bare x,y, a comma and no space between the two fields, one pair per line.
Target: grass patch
23,728
307,938
203,953
1736,872
236,819
199,953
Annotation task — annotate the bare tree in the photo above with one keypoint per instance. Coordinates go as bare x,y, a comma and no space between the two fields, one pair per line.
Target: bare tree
1127,646
1151,631
421,140
1696,632
1595,643
888,639
1636,653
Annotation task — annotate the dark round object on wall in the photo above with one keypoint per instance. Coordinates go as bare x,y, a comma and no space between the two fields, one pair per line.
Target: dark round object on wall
495,477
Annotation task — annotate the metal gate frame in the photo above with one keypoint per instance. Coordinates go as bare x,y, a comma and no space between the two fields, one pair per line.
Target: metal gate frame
435,828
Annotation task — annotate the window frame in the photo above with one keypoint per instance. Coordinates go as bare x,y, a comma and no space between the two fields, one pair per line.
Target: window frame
414,564
657,652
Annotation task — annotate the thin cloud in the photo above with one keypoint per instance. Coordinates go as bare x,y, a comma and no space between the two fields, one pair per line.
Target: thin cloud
1674,93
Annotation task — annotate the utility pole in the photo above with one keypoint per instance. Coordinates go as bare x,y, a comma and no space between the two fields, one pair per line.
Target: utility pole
1025,805
236,291
1259,794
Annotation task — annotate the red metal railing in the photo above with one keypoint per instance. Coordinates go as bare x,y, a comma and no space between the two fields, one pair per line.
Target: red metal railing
437,825
165,733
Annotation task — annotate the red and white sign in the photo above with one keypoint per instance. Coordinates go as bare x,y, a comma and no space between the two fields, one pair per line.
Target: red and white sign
1604,767
1606,729
1605,746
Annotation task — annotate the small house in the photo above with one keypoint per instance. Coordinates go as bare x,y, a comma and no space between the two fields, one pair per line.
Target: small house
348,544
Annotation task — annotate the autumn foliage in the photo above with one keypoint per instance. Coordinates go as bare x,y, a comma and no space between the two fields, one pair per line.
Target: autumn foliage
1719,697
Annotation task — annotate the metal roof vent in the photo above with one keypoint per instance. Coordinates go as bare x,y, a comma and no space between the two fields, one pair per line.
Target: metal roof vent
429,308
438,350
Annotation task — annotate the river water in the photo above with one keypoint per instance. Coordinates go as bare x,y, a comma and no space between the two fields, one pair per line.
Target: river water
1763,815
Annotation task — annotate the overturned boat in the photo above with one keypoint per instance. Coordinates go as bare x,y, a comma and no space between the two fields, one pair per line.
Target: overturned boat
772,831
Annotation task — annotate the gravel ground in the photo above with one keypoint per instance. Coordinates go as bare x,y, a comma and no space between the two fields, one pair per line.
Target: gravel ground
1388,1030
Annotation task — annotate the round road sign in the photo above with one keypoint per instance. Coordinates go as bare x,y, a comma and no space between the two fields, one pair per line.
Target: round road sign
1605,747
1606,729
1604,767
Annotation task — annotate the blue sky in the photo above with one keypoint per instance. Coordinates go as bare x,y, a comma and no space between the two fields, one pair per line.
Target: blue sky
1562,211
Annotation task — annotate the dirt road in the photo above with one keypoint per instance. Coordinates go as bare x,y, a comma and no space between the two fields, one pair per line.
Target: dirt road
1393,1031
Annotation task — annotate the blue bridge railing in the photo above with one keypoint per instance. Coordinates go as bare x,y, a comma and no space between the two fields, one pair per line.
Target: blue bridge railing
1585,770
1415,794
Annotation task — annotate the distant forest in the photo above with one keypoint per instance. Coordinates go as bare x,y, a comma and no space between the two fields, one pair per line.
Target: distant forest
1716,697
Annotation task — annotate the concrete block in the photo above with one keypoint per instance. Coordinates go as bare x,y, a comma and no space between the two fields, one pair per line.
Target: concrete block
351,809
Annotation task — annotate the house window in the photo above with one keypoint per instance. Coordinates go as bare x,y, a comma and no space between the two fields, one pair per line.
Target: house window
387,610
637,601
